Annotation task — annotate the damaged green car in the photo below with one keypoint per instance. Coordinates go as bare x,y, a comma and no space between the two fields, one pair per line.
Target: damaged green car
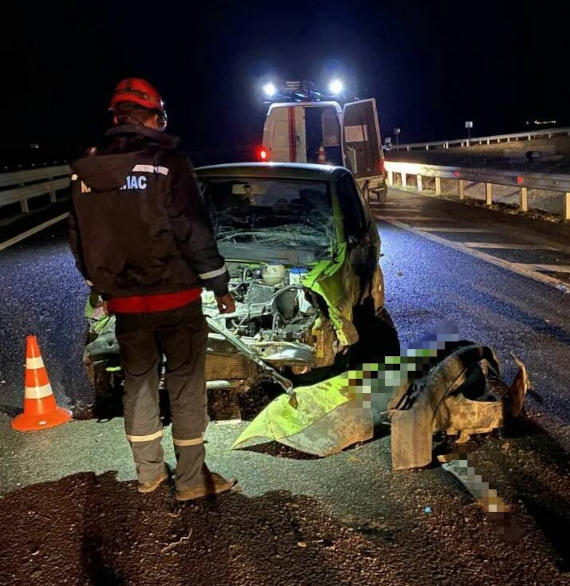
302,249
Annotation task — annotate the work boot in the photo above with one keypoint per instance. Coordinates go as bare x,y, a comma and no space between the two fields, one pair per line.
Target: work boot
210,484
154,484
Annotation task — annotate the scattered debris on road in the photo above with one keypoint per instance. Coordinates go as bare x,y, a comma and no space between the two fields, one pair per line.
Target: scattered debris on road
452,387
486,497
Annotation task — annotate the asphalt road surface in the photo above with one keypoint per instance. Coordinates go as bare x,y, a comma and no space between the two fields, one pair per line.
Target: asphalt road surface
74,515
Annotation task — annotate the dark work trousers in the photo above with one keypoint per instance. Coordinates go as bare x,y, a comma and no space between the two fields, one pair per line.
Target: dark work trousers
181,336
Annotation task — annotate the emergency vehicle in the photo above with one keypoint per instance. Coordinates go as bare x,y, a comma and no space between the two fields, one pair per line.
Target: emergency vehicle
301,127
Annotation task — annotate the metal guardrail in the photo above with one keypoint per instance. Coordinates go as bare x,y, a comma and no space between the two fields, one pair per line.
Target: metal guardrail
24,185
490,177
498,138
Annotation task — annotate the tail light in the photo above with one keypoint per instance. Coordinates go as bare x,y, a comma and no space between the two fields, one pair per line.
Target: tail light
262,154
381,166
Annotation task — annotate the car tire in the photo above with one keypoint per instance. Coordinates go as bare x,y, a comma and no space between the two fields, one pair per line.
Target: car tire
378,337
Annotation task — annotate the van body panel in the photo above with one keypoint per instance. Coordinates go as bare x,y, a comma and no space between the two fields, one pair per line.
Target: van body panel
284,133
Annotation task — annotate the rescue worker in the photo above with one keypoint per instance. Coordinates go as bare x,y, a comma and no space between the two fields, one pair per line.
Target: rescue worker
141,236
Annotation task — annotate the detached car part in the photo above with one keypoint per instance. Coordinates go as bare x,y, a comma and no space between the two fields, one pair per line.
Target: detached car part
425,391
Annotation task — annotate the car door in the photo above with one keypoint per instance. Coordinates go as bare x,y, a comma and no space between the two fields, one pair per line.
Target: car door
362,147
361,249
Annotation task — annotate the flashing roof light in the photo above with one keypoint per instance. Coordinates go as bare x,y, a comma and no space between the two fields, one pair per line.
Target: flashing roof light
336,86
269,89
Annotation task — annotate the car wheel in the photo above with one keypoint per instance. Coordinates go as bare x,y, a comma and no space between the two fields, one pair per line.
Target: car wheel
378,337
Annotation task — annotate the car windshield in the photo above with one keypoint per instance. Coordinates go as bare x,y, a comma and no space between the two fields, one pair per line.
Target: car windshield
271,212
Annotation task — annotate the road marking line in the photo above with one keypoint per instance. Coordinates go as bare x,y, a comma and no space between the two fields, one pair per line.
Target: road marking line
478,230
507,246
32,231
519,270
547,268
416,218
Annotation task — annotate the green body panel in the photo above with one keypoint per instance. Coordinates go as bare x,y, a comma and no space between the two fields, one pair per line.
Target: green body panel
328,279
288,415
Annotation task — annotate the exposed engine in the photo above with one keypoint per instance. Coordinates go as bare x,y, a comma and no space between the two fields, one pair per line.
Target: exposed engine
274,313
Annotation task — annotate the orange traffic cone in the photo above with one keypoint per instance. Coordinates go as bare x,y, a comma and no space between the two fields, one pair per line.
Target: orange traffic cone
40,409
322,158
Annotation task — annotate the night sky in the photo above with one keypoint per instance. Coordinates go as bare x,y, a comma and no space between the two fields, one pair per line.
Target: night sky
430,65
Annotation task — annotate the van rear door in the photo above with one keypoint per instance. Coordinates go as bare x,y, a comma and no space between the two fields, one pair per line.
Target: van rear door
361,143
284,134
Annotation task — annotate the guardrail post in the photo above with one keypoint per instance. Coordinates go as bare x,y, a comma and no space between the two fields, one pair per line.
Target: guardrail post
524,199
419,182
438,185
567,206
488,194
461,188
404,179
52,195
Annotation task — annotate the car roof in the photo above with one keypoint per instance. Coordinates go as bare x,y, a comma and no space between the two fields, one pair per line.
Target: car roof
272,170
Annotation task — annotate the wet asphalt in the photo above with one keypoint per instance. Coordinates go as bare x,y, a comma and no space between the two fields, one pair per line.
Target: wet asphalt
345,519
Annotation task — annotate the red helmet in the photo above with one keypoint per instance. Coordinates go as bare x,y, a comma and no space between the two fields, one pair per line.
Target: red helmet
139,91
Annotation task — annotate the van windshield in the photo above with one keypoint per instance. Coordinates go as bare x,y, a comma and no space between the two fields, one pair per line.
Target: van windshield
271,212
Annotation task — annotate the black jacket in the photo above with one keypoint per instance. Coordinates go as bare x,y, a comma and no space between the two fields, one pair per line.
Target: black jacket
138,225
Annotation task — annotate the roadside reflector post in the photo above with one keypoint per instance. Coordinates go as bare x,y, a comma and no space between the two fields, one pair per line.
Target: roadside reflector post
488,194
461,183
404,179
567,206
438,185
390,177
524,199
419,182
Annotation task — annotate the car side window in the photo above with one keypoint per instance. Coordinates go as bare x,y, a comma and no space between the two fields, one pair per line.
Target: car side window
351,207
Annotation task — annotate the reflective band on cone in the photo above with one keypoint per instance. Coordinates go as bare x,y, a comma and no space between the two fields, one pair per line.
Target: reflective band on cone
38,392
40,408
34,362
